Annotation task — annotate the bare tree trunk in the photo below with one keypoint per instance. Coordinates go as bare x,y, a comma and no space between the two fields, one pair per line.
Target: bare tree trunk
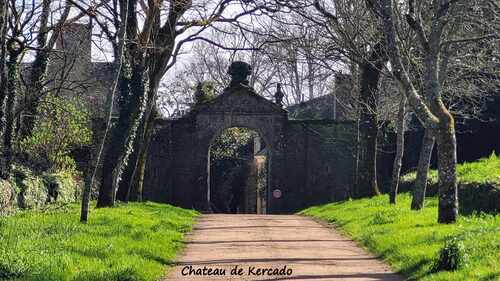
87,181
14,48
445,139
447,164
137,187
310,74
123,192
38,72
123,187
436,116
121,144
424,161
366,185
400,144
3,57
119,54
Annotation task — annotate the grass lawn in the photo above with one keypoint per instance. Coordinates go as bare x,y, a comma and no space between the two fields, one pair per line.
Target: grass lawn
410,240
483,170
136,241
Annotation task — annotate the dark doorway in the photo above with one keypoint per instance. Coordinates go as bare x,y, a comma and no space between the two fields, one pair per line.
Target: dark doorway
237,172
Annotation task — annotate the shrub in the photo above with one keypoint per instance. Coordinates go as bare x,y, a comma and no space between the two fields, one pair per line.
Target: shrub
63,124
452,256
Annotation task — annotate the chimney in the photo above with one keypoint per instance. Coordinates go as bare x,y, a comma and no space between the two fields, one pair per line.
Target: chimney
75,41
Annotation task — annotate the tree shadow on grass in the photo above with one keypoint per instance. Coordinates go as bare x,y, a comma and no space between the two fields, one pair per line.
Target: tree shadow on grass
234,227
494,276
123,274
418,270
100,253
352,276
151,256
331,260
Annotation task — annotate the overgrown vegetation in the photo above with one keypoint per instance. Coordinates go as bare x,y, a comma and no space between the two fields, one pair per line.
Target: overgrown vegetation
129,242
44,170
232,143
413,243
62,125
27,189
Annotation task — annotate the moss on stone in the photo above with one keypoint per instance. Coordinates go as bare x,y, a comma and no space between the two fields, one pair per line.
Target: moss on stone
62,187
7,198
28,190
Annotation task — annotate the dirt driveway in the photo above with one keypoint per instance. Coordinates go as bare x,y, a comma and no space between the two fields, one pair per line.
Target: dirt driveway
272,247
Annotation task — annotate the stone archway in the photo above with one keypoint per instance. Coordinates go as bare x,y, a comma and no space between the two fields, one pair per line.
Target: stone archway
239,106
310,161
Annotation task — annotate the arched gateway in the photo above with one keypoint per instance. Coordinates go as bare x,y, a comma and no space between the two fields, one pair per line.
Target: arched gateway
309,161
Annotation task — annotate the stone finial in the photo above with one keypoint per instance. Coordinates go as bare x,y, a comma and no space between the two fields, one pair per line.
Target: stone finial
278,96
239,72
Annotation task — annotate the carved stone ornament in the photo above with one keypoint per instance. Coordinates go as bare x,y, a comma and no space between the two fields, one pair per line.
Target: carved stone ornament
239,72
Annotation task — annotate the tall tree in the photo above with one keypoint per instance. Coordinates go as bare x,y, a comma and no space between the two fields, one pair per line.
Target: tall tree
3,56
434,115
44,44
368,52
15,47
120,81
371,70
163,35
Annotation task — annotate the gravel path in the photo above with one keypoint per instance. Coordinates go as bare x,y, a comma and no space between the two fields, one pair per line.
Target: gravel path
272,247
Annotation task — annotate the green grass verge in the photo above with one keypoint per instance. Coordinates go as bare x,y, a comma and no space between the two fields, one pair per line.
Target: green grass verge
136,241
410,240
486,170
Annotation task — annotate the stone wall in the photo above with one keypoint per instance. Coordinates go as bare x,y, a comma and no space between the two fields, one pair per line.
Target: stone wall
71,71
315,164
319,162
308,161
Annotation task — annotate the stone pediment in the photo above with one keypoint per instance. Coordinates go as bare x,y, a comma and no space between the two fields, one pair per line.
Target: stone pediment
242,100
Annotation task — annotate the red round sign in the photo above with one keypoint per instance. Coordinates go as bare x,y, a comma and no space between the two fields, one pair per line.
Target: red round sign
277,193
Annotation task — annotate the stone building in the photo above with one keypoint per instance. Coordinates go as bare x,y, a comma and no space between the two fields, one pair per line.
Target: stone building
338,105
72,72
